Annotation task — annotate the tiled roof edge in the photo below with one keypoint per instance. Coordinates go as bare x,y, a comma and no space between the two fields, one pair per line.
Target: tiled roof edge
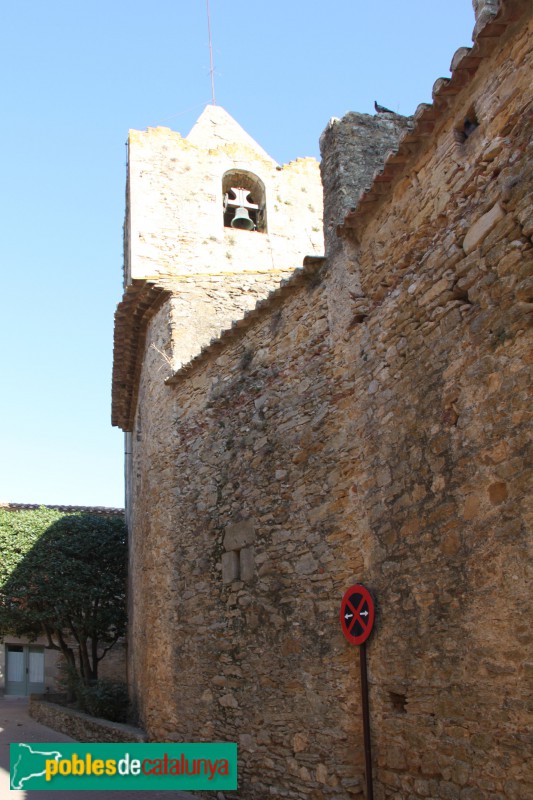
141,300
464,65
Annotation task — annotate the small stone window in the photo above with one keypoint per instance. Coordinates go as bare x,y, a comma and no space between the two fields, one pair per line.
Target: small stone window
238,562
244,201
467,127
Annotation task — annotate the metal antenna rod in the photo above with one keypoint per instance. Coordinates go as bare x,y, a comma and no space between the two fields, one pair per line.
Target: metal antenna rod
212,69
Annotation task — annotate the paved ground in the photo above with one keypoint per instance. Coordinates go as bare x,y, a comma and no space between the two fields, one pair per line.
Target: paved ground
17,726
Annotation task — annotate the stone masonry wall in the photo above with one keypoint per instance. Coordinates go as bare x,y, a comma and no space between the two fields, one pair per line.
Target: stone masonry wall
389,446
353,149
82,727
441,339
152,443
244,556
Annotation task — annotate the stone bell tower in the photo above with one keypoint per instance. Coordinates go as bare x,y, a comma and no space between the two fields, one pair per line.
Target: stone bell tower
215,219
213,224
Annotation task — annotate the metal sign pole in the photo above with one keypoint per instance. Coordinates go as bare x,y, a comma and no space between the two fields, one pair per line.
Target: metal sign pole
357,620
366,723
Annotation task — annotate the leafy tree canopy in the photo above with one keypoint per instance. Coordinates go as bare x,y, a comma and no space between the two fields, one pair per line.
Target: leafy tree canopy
64,576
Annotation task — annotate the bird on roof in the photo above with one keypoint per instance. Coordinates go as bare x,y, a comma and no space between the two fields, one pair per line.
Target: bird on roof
382,109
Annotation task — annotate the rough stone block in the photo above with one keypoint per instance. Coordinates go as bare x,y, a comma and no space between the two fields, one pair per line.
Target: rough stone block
482,227
247,561
230,567
239,535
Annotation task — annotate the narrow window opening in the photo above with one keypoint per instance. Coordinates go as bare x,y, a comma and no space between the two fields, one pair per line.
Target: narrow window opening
398,702
467,127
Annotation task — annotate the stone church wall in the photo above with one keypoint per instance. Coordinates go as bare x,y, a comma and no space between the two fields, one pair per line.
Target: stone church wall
439,348
368,423
257,489
150,482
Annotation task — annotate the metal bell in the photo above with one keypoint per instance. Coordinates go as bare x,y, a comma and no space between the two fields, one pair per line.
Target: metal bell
242,220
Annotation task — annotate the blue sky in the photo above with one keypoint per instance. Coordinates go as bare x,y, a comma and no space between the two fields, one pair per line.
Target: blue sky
79,74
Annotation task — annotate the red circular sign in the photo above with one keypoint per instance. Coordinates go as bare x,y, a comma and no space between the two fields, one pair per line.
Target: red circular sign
357,614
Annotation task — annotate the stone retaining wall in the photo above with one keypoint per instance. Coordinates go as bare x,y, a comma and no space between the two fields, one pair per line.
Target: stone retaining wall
82,727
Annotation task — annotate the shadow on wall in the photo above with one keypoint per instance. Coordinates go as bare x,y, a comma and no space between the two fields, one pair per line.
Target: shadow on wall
62,576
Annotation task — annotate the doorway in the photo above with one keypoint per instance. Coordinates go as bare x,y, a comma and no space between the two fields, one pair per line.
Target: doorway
24,669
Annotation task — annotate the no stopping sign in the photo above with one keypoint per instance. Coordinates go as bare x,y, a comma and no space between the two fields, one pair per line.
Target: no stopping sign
357,614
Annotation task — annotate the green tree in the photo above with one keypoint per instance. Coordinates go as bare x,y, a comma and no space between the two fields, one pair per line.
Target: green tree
64,576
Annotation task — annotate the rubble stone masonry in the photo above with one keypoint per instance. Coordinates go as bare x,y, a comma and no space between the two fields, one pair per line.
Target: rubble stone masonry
367,423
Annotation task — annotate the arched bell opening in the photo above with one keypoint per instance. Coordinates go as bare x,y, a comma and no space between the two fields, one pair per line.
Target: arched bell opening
244,201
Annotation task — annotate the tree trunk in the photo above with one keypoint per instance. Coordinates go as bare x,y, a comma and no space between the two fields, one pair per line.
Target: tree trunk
85,664
94,656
